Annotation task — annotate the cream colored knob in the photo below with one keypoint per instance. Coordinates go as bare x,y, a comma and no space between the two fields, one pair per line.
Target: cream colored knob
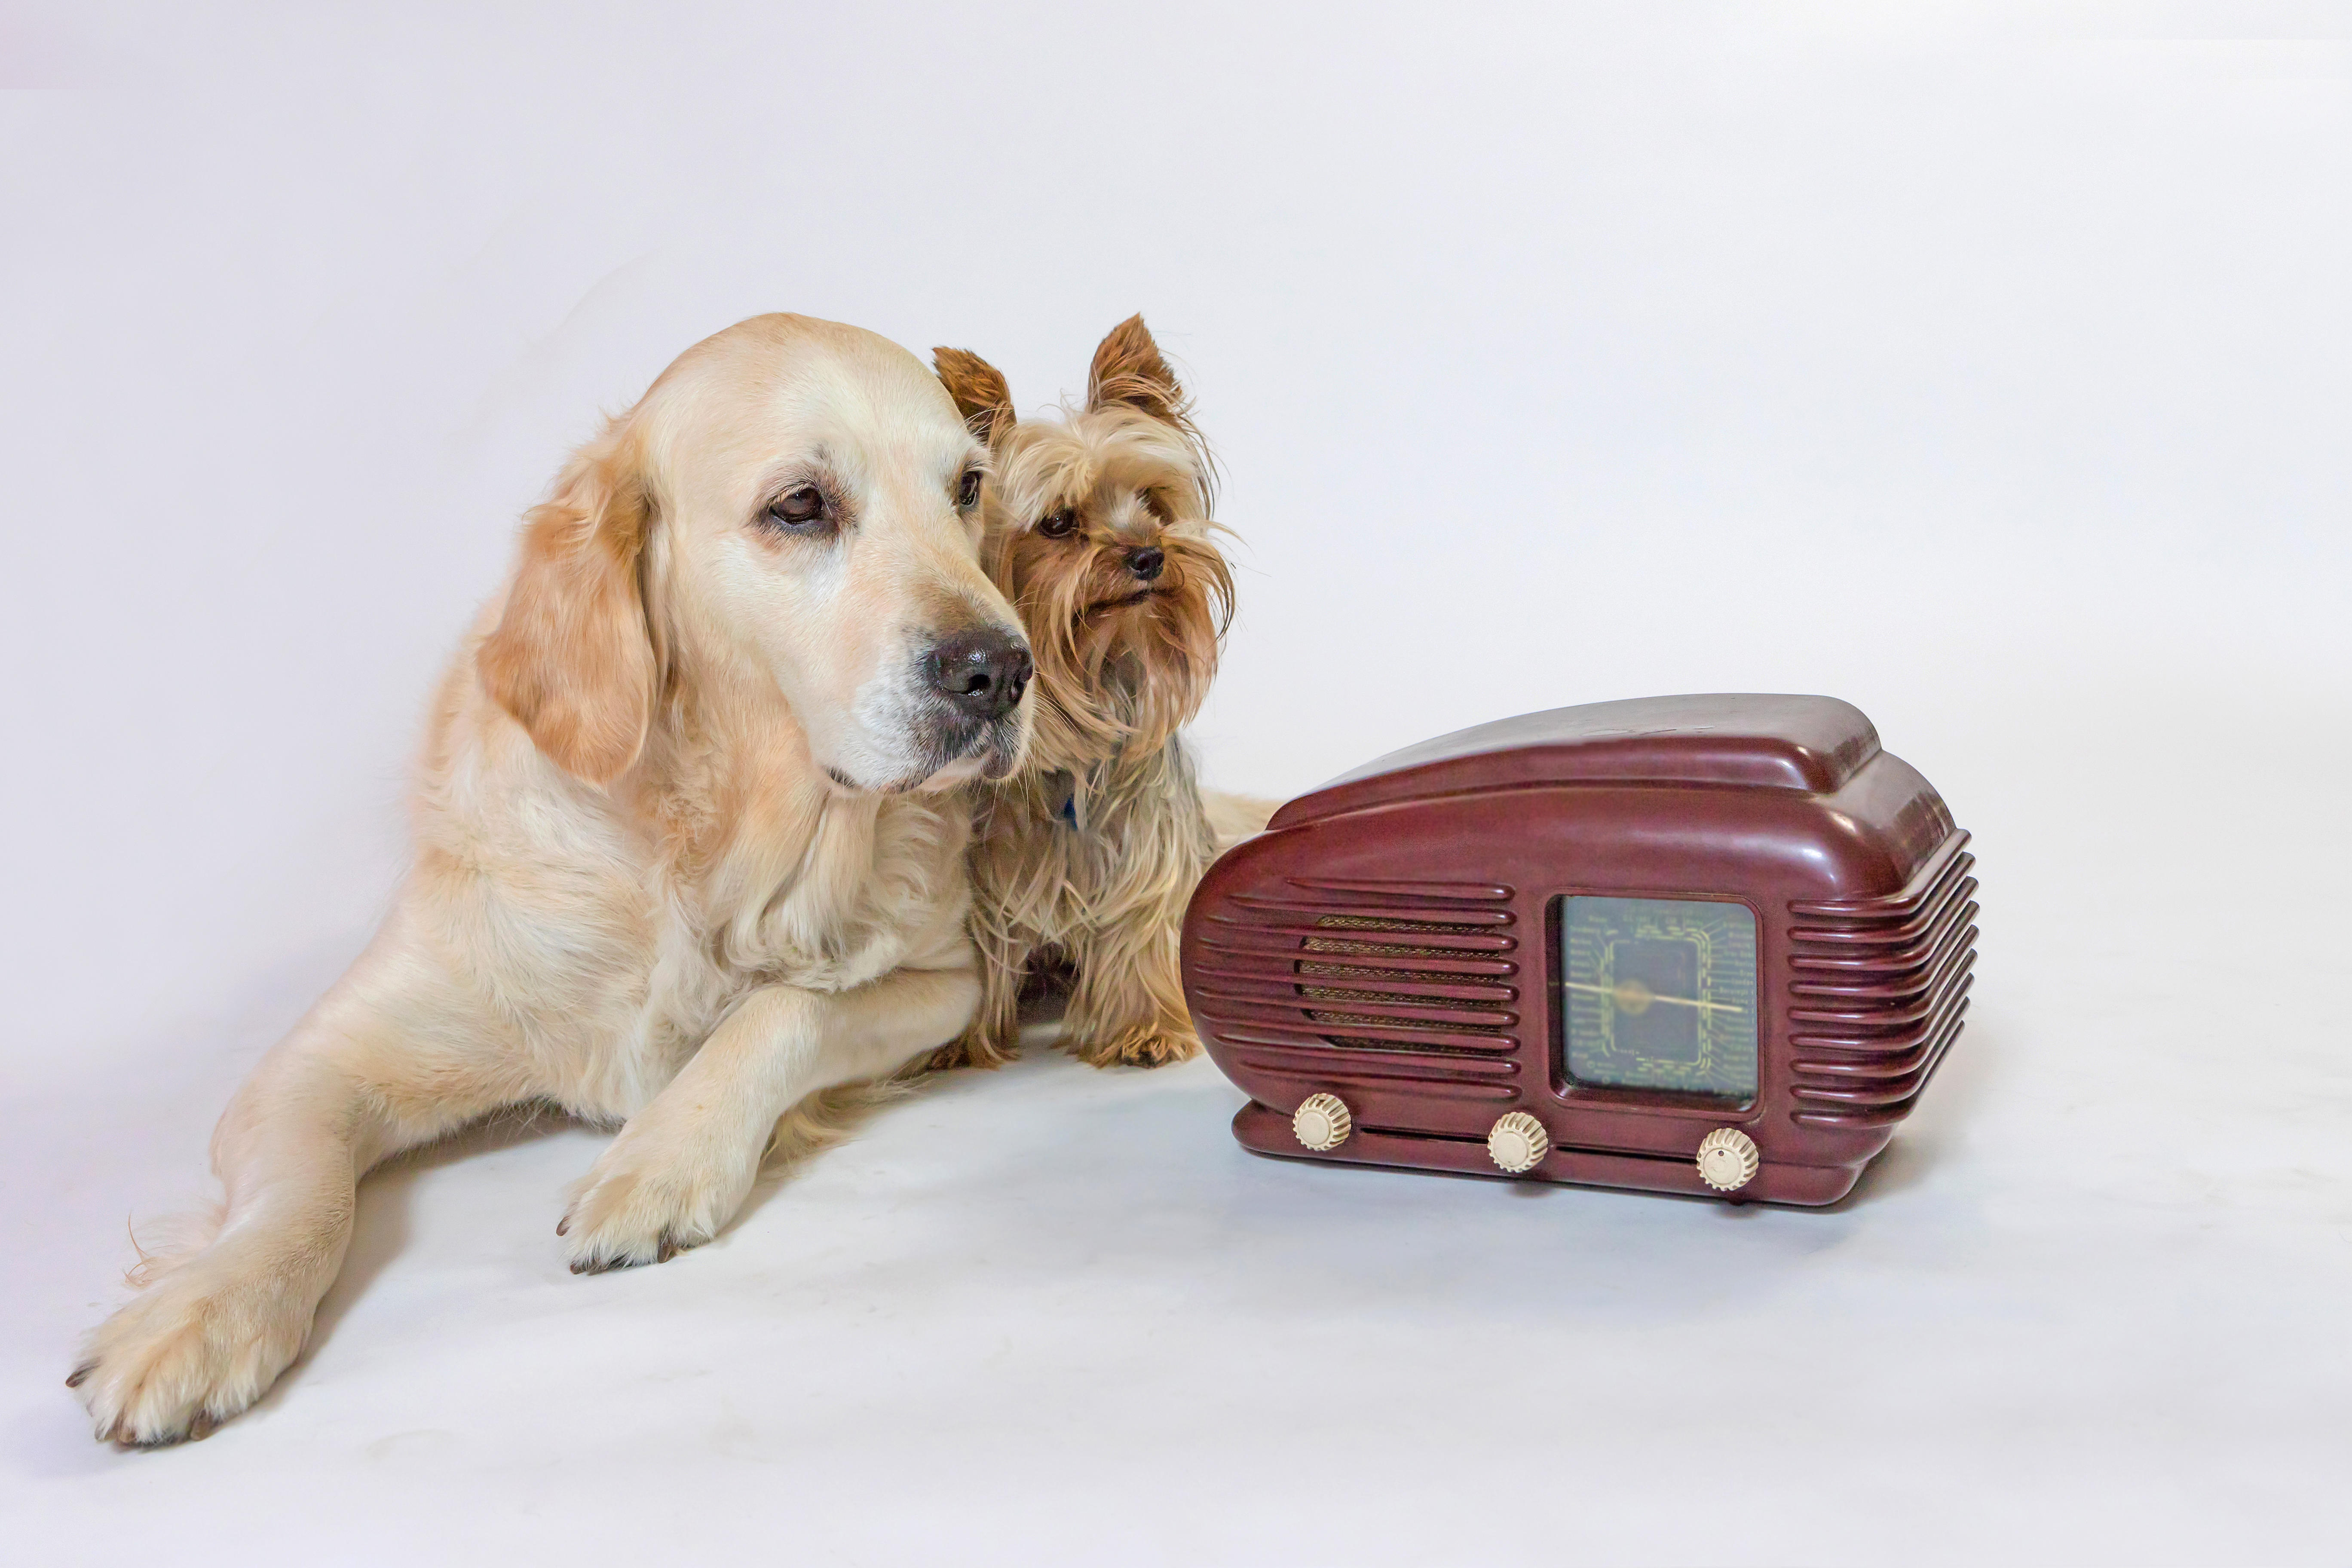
1517,1142
1322,1121
1727,1159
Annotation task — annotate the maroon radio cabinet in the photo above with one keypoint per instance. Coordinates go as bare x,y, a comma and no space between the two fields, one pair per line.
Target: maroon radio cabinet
1708,944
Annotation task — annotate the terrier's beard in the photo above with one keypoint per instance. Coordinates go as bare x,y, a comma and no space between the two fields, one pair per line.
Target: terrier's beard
1126,678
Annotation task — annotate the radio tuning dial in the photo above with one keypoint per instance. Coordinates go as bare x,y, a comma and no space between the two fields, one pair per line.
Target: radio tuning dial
1727,1159
1517,1142
1322,1121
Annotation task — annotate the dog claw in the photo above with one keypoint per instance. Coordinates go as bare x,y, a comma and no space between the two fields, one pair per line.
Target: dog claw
202,1427
128,1442
601,1265
666,1247
79,1374
563,1226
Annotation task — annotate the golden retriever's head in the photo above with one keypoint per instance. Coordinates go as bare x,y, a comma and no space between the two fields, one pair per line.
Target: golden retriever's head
795,502
1100,532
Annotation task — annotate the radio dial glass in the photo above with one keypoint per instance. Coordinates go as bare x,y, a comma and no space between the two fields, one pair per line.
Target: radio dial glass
1659,993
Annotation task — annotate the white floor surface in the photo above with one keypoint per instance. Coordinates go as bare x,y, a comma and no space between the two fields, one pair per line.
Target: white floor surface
2089,1307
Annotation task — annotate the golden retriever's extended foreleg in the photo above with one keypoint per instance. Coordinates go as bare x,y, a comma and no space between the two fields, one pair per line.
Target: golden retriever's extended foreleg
344,1090
684,1165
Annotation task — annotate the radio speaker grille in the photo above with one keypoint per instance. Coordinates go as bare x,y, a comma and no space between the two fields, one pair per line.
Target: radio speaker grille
1332,981
1877,993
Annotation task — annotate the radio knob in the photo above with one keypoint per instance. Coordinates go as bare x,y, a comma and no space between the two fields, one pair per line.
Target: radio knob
1517,1142
1727,1159
1322,1121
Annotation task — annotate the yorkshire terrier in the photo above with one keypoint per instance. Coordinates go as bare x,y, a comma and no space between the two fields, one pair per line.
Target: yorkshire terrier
1098,530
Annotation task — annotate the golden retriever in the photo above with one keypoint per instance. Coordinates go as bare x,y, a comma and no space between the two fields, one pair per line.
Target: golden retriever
690,846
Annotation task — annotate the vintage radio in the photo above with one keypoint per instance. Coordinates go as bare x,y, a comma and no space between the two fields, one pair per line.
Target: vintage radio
1711,945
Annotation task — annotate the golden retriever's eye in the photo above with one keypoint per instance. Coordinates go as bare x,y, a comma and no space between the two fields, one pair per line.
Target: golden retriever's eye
1059,524
968,492
797,508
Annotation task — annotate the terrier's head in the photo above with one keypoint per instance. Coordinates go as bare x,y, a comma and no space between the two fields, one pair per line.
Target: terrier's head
1098,530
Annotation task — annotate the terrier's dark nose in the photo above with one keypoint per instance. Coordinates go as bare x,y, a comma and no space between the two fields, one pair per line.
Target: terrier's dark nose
1145,563
981,671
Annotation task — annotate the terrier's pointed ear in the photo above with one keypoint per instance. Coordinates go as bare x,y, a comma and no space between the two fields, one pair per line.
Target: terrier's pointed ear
980,394
572,658
1127,369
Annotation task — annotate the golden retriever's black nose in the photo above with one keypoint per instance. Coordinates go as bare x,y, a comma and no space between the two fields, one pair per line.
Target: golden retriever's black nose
1145,563
983,671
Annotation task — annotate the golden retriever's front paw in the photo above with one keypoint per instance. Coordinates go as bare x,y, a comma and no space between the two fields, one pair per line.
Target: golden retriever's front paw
647,1200
1141,1045
192,1352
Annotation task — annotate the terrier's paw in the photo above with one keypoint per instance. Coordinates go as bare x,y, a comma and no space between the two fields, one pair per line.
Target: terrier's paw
1140,1045
974,1049
195,1349
947,1059
651,1198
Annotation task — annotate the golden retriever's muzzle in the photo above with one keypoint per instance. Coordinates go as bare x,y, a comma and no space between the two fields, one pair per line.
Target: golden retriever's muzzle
974,680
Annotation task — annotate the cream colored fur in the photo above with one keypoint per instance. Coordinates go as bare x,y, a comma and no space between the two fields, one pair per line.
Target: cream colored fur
689,852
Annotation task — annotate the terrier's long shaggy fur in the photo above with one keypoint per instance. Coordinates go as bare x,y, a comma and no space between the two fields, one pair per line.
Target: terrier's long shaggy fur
1099,532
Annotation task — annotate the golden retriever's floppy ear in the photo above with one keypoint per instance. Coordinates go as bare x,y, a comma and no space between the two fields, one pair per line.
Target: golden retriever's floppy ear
980,394
1127,369
572,657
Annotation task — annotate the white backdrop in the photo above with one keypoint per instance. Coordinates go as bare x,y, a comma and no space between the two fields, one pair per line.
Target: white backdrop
1989,367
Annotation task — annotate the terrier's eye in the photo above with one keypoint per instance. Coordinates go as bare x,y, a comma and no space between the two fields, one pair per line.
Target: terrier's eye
1157,503
1059,524
797,508
968,492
